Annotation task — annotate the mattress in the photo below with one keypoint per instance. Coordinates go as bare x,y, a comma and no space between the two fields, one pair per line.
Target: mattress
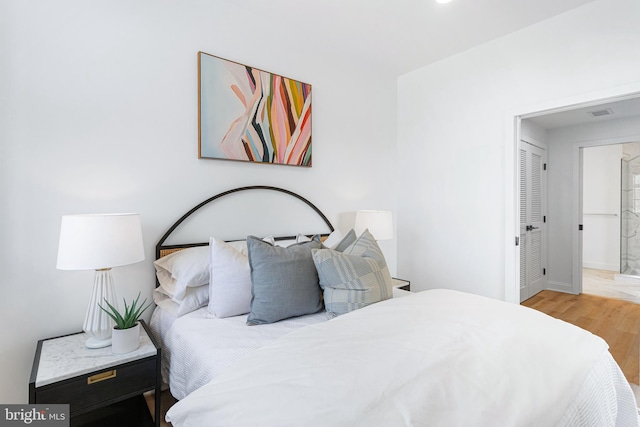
198,346
437,358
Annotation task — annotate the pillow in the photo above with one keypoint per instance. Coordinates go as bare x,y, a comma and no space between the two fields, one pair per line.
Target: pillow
230,284
301,238
183,269
284,243
345,242
239,245
167,283
333,239
284,281
193,299
355,278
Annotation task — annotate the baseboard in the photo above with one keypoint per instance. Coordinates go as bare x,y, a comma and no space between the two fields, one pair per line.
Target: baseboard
560,287
600,266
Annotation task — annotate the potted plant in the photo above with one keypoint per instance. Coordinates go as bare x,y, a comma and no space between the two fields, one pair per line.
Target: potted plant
125,336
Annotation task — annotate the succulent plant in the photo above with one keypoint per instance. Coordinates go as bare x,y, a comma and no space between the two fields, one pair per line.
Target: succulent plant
131,313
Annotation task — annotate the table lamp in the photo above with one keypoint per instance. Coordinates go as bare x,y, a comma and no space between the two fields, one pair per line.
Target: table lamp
379,223
99,242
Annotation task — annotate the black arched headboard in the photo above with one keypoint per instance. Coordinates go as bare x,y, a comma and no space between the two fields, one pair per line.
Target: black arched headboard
162,249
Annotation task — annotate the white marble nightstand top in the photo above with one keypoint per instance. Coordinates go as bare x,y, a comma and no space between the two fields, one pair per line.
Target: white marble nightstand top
67,357
397,283
395,288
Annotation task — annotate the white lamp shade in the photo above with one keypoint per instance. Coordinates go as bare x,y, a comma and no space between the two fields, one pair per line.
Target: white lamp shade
379,224
92,242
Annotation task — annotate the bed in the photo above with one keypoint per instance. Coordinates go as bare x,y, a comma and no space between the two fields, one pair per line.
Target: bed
437,357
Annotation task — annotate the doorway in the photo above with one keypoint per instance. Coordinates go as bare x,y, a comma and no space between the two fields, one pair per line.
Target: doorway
611,221
569,219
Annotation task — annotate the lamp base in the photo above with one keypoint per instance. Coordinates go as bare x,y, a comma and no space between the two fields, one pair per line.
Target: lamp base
97,323
94,342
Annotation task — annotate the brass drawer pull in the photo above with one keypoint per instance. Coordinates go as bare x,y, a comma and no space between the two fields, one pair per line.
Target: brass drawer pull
101,377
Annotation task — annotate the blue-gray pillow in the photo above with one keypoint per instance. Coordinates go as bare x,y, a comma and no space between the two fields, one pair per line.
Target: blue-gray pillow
346,241
354,278
284,281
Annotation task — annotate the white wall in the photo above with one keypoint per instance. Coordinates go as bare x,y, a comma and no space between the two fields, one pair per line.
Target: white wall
452,133
560,181
98,113
532,132
601,207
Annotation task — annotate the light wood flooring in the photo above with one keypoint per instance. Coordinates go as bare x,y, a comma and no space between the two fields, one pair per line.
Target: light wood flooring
616,321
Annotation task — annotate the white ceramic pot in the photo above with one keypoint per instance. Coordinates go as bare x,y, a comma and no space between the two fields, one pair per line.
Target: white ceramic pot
125,340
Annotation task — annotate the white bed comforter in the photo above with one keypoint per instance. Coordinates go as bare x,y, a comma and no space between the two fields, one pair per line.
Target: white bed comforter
435,358
199,346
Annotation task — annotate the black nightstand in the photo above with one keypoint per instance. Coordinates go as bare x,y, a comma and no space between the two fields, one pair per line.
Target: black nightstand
401,284
401,287
102,389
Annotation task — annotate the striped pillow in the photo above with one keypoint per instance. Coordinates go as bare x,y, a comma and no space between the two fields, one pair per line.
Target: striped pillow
354,278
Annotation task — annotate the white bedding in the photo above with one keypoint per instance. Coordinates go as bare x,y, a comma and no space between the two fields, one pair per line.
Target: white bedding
198,346
436,358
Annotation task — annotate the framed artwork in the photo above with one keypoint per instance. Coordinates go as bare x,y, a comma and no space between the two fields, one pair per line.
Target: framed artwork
250,115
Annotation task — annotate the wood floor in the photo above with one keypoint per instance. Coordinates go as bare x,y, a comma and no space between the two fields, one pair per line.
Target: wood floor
616,321
167,401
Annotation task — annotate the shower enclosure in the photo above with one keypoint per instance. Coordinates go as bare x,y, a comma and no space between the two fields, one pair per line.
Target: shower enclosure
630,217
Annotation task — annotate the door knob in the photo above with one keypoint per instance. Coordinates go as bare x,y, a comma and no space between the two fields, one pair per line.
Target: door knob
531,227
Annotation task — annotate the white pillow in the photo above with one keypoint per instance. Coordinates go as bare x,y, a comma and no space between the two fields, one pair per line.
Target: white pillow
300,238
167,283
240,246
183,269
230,285
333,239
193,299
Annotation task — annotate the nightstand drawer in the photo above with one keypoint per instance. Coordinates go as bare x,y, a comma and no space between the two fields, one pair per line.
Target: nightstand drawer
100,388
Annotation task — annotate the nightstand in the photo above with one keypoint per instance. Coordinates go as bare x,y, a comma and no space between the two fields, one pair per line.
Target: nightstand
400,287
101,388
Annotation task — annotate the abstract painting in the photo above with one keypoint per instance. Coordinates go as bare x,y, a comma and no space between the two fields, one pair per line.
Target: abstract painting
251,115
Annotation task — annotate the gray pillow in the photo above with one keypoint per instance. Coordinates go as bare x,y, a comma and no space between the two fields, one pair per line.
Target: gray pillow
346,241
284,281
355,278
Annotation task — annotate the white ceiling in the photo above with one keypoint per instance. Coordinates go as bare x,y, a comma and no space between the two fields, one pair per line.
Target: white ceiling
401,35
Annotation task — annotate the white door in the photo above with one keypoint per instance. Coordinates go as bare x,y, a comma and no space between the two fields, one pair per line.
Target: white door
532,220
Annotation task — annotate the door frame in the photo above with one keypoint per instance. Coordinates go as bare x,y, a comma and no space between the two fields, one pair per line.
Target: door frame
577,207
512,171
